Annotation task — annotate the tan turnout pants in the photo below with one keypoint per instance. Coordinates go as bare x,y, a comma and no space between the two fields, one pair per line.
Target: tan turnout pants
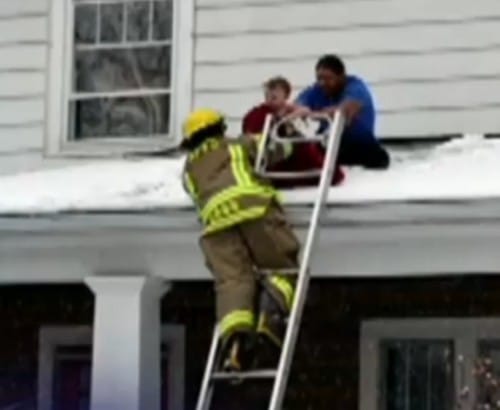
233,255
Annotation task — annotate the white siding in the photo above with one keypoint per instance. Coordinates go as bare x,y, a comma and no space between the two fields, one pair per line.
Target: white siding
434,66
23,47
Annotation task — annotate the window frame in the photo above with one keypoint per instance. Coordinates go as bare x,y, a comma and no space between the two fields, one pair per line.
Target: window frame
52,337
58,87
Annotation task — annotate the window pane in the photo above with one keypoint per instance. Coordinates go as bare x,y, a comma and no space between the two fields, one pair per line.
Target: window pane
121,117
162,20
111,23
440,381
111,70
85,23
138,21
72,377
417,375
395,375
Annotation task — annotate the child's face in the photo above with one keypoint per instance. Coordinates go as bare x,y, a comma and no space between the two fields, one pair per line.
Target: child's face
276,97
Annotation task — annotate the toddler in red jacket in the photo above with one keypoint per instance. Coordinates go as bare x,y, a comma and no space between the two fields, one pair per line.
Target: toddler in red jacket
306,156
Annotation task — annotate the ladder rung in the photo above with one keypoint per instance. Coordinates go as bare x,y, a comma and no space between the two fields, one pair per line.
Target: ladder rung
252,374
291,175
299,140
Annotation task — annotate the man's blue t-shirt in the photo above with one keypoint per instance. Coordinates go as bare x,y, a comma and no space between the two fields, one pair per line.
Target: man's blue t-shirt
363,124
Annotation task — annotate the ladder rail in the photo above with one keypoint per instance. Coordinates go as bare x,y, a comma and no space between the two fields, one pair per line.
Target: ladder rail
206,390
291,334
291,174
261,149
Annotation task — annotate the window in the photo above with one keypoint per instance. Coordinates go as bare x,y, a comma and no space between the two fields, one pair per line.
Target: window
65,368
71,377
430,364
120,74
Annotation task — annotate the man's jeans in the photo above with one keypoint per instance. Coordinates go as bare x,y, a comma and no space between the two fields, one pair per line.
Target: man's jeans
362,150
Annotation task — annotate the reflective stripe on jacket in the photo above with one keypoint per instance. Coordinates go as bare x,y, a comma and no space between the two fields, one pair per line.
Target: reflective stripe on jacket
220,179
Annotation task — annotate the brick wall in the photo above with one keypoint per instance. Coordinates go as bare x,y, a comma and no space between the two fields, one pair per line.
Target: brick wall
325,370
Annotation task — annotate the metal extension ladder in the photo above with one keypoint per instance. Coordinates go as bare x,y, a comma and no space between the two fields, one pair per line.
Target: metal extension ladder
280,375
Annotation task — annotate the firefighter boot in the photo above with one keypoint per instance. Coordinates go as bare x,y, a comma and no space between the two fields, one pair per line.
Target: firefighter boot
237,351
271,328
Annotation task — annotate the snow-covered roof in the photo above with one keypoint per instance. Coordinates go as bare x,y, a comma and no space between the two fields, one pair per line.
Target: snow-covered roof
467,168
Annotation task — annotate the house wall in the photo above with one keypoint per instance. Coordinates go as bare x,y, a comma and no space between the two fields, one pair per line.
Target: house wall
24,48
325,372
433,66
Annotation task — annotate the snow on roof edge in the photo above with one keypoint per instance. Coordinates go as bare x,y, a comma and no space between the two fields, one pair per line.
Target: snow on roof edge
453,171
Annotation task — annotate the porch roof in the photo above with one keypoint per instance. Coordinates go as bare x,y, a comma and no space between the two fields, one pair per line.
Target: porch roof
145,226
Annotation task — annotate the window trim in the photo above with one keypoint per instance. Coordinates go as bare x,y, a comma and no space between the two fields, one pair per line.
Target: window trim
59,62
51,337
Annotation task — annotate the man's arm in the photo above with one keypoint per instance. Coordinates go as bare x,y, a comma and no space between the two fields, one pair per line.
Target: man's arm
353,100
349,107
189,186
304,97
303,105
351,104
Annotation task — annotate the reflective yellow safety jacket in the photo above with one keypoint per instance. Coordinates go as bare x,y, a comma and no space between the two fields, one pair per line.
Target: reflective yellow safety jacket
219,176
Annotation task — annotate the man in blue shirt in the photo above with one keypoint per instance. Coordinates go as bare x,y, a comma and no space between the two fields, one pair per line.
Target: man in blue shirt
334,89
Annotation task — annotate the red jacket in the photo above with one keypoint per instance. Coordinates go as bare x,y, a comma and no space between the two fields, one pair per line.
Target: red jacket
305,157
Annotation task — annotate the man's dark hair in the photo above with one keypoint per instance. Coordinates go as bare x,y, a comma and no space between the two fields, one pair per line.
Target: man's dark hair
331,62
278,82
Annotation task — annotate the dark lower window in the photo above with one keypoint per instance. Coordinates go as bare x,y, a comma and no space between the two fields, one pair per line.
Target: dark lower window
72,375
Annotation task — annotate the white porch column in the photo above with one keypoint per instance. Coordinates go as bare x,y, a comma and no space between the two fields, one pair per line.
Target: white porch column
126,342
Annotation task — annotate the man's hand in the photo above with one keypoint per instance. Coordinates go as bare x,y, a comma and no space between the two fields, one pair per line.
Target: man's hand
299,111
350,108
329,110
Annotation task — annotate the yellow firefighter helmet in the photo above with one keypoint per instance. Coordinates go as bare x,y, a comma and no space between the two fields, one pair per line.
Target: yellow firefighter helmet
198,120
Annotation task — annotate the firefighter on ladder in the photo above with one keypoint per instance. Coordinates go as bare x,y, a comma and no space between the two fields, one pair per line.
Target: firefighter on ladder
245,229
